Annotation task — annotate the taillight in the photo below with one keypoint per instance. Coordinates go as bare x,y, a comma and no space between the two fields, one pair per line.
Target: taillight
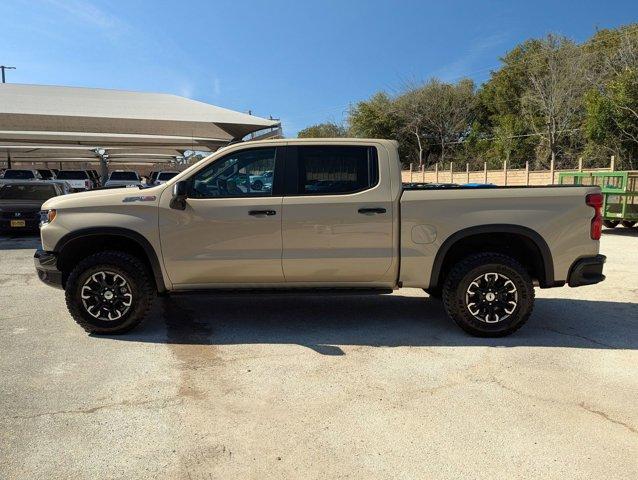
595,200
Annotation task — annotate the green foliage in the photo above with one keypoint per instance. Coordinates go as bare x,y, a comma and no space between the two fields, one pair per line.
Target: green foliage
323,130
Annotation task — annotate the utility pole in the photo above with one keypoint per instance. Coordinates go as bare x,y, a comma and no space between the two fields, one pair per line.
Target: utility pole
3,68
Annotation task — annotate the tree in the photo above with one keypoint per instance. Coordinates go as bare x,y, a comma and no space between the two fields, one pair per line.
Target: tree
499,112
323,130
553,105
612,103
437,113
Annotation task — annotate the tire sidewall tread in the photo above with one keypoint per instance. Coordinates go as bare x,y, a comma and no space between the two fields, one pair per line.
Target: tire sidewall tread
139,280
469,268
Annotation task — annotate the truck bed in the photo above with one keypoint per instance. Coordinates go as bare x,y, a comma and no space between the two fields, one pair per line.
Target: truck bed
432,213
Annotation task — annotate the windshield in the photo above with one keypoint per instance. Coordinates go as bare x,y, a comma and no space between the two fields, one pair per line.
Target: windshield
46,174
124,176
72,175
18,175
166,175
27,192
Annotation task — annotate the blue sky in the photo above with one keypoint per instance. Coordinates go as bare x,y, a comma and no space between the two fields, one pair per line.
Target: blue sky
303,62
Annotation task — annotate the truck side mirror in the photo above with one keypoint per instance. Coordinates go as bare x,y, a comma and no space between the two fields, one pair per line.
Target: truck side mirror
180,193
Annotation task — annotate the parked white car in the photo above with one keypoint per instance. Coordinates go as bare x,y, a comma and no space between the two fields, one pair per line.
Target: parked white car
78,180
123,178
262,181
164,176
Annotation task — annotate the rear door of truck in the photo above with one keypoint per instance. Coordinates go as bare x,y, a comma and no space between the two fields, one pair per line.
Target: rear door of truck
337,215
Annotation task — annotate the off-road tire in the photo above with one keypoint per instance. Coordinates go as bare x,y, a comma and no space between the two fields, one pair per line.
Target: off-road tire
469,269
136,274
434,292
611,223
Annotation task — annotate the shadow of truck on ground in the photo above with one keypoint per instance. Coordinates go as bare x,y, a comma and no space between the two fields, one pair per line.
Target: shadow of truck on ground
324,322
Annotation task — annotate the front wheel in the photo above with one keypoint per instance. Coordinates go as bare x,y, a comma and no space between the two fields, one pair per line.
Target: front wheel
109,292
488,295
628,223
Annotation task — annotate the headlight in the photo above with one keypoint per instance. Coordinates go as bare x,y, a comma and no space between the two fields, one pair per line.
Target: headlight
47,216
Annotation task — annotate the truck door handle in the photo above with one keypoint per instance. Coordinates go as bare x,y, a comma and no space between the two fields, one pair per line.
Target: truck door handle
257,213
371,211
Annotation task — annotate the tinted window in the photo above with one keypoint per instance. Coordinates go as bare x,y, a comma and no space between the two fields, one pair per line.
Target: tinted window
18,175
166,175
27,192
46,174
325,170
123,176
237,174
73,175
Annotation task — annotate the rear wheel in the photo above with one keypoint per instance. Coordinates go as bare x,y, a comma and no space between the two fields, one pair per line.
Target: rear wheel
109,292
611,223
488,295
627,223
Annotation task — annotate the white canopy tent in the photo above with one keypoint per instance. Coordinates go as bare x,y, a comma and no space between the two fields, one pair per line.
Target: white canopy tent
52,123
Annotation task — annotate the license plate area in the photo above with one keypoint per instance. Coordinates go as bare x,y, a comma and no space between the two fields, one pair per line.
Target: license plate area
18,223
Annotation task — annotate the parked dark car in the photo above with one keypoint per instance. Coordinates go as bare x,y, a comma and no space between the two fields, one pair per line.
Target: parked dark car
21,203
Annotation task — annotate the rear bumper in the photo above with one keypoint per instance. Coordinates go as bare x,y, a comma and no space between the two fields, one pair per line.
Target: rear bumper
587,271
46,266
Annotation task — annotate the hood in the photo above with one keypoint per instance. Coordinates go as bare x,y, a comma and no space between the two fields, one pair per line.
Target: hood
102,198
20,205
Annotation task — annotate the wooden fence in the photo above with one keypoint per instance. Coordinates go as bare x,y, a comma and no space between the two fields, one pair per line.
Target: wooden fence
502,176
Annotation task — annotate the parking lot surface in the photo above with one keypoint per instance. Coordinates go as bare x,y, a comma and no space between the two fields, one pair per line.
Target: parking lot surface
282,386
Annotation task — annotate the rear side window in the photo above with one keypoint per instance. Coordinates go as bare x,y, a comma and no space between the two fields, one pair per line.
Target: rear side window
334,169
72,175
124,176
27,192
166,175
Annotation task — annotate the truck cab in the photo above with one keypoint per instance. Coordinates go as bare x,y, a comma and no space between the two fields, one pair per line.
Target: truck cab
336,216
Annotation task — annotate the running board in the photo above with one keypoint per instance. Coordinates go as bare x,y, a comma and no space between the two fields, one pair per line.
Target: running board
227,292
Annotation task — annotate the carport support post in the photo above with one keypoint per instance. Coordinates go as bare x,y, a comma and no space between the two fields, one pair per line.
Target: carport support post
8,159
104,169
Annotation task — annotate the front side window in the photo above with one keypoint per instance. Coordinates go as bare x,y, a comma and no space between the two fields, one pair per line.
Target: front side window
334,169
245,173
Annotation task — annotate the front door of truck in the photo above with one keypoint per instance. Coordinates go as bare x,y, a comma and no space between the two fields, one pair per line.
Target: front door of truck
230,231
337,215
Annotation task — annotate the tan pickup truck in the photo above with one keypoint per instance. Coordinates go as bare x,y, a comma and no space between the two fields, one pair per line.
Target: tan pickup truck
318,214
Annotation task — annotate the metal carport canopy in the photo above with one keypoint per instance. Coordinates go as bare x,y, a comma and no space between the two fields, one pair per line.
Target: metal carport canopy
107,118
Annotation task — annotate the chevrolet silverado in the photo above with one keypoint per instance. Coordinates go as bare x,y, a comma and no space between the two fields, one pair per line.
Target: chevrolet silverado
335,216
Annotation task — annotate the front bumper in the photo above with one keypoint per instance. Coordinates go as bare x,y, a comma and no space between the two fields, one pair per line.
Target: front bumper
46,266
587,271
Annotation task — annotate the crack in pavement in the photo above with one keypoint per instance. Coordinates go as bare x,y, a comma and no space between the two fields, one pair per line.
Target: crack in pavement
125,403
607,417
582,405
596,342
